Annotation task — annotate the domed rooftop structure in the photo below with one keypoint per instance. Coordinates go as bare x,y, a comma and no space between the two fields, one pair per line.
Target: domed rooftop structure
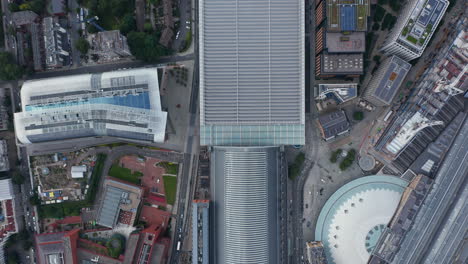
353,218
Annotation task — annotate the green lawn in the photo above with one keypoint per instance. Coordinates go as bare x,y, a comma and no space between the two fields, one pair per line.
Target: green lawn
125,174
171,168
170,187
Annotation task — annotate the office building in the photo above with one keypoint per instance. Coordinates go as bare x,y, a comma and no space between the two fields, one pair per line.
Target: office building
121,104
331,65
252,72
245,219
386,81
416,23
200,231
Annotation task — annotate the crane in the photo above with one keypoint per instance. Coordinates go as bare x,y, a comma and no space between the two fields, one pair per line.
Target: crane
91,21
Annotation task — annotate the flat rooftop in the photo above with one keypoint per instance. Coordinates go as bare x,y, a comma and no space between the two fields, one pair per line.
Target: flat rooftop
393,75
422,22
342,92
347,15
124,104
333,124
346,43
251,72
342,64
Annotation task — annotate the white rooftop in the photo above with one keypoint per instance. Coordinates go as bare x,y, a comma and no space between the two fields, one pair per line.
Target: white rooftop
6,190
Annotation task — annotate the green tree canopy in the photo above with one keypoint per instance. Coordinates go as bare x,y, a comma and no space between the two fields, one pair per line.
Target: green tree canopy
9,70
17,178
128,24
82,45
145,46
358,115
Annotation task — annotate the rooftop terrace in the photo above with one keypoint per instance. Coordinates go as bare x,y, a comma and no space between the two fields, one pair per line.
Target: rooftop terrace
423,21
347,15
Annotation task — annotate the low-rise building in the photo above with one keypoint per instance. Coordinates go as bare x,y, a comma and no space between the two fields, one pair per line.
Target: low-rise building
119,204
386,81
56,43
4,163
78,172
8,224
333,124
200,231
23,18
341,92
316,253
411,200
56,248
331,65
58,7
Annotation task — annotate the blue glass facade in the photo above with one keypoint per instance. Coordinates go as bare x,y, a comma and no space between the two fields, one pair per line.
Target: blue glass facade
141,100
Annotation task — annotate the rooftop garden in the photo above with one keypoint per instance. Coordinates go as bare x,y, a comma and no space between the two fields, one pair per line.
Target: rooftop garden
412,39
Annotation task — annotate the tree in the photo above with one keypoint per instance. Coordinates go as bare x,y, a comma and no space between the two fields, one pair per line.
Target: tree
27,244
379,13
34,199
82,45
128,24
13,7
375,26
38,6
358,115
25,6
145,46
9,70
395,5
17,178
376,58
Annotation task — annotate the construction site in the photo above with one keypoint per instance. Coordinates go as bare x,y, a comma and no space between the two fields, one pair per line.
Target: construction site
62,176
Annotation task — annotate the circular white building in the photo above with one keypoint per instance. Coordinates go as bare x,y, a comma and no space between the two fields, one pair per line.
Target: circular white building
353,218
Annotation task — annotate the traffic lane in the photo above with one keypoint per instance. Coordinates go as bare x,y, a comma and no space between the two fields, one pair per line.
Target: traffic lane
185,21
109,67
73,22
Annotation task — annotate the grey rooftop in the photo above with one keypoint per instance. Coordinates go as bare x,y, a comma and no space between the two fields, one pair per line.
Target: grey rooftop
251,72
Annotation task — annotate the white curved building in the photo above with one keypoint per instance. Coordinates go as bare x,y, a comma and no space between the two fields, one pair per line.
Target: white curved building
353,218
122,104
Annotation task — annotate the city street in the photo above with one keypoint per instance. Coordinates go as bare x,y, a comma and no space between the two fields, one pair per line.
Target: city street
111,67
73,32
185,20
191,154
